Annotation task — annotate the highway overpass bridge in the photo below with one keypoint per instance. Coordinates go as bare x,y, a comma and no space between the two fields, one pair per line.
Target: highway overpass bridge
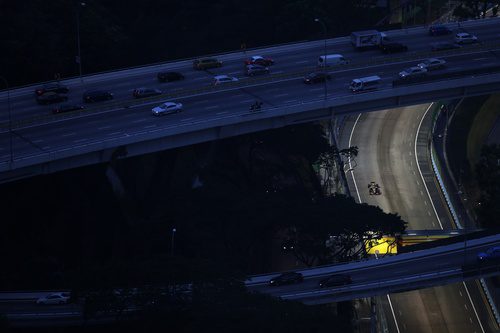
410,271
35,142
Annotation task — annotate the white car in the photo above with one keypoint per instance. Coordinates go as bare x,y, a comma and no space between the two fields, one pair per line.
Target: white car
55,298
432,63
219,79
412,72
167,108
465,38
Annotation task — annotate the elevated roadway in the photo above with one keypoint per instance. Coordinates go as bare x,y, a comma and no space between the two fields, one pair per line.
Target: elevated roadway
42,143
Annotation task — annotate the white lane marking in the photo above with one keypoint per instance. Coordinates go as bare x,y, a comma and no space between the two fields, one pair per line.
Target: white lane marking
429,213
278,72
114,133
393,314
247,101
186,119
470,319
418,183
435,212
221,112
211,107
198,78
421,193
79,140
68,134
38,141
150,126
473,307
425,202
350,163
140,120
281,95
302,62
317,89
290,101
433,224
460,293
46,147
418,165
104,127
466,308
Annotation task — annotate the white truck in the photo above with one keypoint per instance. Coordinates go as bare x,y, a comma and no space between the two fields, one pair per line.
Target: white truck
367,39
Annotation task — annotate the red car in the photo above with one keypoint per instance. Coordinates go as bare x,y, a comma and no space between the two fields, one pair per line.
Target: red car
259,60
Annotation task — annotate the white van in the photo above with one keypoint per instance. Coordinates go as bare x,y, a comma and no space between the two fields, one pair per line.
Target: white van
365,83
332,60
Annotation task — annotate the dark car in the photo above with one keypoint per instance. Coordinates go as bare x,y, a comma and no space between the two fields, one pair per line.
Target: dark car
317,77
440,46
51,97
286,278
438,29
393,47
146,92
92,96
335,280
206,63
66,108
170,76
259,60
52,87
252,70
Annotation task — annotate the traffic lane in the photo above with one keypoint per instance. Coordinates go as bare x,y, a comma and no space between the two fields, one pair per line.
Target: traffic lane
30,306
392,137
296,87
21,107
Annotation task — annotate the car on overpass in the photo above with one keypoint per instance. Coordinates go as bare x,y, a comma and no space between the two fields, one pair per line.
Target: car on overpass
252,70
220,79
92,96
259,60
169,76
54,298
317,77
432,64
286,278
52,87
167,108
66,108
412,73
439,29
51,98
465,38
146,92
206,63
335,280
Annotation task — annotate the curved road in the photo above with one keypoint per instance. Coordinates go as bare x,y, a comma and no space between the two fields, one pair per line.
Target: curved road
387,143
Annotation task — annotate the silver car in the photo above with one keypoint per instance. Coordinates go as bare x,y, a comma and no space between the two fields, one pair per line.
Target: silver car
412,72
252,70
465,38
219,79
432,64
167,108
55,298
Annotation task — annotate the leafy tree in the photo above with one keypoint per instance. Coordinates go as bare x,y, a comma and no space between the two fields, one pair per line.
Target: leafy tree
337,229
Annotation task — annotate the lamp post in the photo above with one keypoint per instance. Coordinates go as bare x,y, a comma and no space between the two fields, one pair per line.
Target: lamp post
10,118
324,61
173,239
79,5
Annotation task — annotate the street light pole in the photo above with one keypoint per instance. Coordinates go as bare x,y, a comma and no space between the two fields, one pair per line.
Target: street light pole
324,61
79,57
173,239
10,118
